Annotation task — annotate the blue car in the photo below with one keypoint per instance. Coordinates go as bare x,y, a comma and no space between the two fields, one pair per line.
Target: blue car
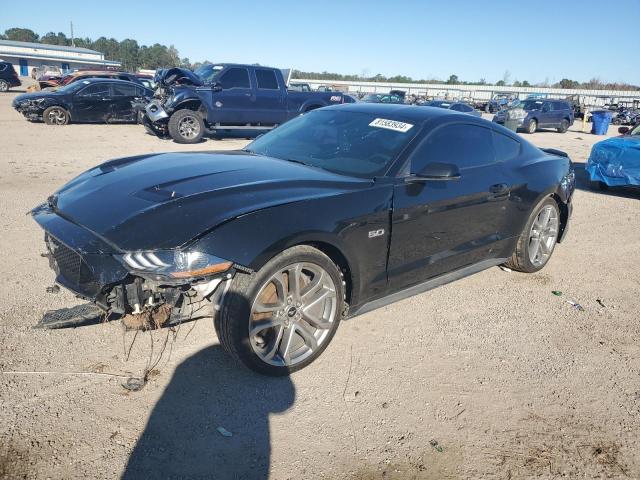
540,113
453,105
615,162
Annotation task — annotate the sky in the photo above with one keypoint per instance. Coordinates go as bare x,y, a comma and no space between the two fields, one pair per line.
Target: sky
535,41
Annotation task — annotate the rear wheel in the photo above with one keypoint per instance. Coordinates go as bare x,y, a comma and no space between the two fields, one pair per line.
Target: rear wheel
533,126
538,239
55,116
4,86
564,126
281,318
186,126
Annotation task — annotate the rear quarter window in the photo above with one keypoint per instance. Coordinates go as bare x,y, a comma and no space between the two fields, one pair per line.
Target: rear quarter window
506,148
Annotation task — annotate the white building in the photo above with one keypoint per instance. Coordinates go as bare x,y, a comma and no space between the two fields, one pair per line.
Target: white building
25,56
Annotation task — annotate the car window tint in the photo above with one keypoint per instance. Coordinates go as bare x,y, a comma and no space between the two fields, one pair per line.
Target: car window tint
466,108
235,78
506,148
96,90
457,107
124,90
140,92
267,79
464,145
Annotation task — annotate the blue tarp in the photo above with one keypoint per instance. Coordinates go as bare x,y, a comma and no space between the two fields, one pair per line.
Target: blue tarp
616,161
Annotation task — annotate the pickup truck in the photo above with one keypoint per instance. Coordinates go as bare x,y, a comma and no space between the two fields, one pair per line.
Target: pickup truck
226,97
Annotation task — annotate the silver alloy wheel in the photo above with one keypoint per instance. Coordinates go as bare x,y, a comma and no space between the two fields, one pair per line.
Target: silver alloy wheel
4,86
189,127
533,126
57,116
543,235
292,314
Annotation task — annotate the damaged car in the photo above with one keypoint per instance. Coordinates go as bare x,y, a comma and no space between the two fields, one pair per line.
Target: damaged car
223,97
335,213
88,101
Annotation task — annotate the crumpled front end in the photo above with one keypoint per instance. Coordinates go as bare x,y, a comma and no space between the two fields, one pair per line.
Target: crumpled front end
31,109
615,161
144,289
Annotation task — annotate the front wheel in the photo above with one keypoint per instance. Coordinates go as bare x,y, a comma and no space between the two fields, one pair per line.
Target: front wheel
533,126
55,116
4,86
281,318
186,126
538,239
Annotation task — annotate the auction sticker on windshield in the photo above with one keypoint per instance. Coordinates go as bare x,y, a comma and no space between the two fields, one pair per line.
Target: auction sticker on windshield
391,125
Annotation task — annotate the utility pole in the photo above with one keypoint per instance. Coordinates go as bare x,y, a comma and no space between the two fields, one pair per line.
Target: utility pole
73,42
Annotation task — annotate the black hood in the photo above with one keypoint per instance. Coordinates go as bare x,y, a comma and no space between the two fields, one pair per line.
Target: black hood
165,200
181,76
35,96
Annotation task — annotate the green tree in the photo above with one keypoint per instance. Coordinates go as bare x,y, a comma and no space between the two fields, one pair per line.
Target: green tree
21,35
500,83
453,80
525,83
566,83
52,38
128,52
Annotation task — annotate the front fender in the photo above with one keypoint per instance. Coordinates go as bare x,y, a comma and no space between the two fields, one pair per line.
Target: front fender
342,222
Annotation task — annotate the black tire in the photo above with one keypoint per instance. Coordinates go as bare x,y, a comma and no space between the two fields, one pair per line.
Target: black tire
233,320
520,260
564,126
55,116
533,126
4,86
598,185
186,126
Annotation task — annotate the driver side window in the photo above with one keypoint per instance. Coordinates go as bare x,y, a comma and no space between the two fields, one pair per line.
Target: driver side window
235,78
463,145
96,90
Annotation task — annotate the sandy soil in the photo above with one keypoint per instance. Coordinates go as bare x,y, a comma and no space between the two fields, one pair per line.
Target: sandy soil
489,377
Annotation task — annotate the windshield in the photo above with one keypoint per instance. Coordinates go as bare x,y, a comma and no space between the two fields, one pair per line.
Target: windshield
372,98
208,72
529,105
73,87
440,104
348,143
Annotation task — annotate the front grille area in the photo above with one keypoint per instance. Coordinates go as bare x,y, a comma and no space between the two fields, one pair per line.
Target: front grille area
70,265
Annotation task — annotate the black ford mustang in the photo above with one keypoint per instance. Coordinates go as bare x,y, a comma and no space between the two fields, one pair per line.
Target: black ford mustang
94,100
333,214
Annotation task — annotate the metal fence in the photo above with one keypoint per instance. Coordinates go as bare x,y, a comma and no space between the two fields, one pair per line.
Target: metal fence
475,92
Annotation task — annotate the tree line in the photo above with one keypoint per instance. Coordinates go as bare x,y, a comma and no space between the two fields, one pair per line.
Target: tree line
134,57
593,84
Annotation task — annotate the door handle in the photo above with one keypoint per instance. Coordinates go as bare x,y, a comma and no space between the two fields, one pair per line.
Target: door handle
499,188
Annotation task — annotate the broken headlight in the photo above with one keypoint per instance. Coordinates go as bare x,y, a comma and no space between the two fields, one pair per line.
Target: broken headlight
174,263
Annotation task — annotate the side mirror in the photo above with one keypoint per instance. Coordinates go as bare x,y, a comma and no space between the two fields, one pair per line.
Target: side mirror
435,171
216,87
623,130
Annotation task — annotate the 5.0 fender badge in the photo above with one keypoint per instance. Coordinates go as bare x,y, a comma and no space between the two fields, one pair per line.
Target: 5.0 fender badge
376,233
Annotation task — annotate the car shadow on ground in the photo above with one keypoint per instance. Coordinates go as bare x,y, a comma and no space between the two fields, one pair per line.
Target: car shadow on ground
583,183
212,421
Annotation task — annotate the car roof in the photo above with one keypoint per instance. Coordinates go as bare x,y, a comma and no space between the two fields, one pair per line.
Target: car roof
414,113
109,80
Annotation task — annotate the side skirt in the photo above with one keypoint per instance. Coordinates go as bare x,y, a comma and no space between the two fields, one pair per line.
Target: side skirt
426,286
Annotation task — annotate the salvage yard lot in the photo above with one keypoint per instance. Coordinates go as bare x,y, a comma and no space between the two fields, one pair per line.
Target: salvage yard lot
492,376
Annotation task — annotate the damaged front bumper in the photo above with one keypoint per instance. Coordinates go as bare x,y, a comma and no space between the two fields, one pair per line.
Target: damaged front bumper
31,110
90,267
155,111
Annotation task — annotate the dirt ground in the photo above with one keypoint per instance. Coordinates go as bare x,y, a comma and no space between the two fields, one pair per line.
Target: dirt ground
489,377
